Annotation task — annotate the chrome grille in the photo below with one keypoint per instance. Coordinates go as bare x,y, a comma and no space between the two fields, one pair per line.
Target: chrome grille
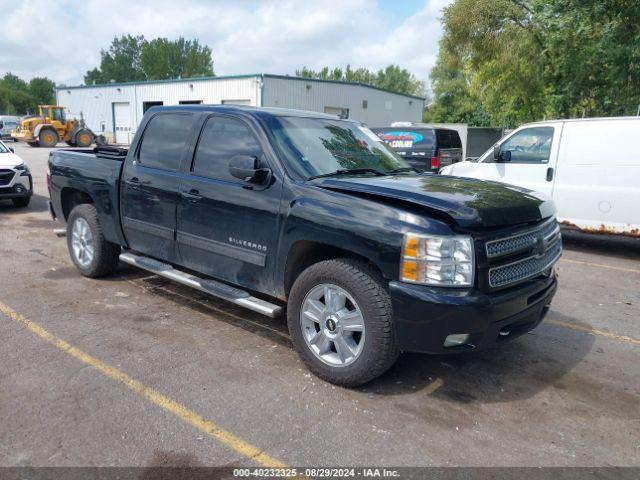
524,269
522,241
6,176
527,254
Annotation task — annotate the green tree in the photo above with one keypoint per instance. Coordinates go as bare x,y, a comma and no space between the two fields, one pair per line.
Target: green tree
490,65
132,58
593,48
453,100
42,90
514,61
120,63
19,97
391,78
165,59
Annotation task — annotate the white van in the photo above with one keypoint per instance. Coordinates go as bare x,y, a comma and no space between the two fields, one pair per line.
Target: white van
590,167
8,123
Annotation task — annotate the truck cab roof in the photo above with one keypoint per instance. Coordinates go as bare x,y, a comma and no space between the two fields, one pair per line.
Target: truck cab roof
258,112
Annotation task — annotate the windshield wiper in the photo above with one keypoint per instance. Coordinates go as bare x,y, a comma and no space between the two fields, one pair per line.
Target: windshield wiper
403,169
349,170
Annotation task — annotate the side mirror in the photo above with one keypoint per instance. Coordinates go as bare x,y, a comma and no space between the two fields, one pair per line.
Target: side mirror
12,150
501,156
247,168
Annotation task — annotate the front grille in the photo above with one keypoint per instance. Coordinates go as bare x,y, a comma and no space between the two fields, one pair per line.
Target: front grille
524,269
521,241
524,255
6,176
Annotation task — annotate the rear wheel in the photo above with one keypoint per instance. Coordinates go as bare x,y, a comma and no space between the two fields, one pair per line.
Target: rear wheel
84,138
48,138
341,322
91,253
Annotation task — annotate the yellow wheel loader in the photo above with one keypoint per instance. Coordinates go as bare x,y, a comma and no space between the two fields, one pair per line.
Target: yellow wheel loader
51,126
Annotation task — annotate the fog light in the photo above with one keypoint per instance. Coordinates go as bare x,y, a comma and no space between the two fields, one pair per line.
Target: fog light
456,339
19,188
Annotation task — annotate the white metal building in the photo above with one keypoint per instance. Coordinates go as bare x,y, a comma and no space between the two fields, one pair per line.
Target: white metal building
116,109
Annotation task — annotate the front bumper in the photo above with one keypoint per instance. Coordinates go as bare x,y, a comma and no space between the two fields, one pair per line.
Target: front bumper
20,187
22,136
425,317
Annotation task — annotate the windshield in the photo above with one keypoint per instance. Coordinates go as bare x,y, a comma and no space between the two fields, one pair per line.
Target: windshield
315,146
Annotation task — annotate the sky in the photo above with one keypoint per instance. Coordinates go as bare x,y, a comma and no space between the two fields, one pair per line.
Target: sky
268,36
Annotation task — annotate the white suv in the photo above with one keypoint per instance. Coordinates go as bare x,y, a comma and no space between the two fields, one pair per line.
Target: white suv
16,183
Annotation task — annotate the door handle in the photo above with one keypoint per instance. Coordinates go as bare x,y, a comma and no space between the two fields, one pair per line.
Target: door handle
192,196
549,174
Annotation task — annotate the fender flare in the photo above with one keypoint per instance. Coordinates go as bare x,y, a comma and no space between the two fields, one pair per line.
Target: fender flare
40,127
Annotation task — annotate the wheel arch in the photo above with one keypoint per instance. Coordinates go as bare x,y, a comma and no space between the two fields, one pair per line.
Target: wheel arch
42,126
71,197
304,253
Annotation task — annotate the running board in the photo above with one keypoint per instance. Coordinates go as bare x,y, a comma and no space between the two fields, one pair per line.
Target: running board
212,287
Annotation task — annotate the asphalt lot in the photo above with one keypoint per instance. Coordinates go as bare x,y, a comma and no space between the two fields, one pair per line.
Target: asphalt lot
136,371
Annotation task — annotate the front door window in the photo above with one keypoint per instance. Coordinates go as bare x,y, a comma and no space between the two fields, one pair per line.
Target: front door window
531,145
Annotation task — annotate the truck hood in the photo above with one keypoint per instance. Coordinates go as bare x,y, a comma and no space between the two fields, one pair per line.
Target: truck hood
470,203
9,160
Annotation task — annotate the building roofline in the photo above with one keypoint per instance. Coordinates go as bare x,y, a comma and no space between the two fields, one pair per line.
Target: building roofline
232,77
151,82
359,84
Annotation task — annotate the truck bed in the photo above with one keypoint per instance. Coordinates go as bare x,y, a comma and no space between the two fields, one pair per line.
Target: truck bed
94,172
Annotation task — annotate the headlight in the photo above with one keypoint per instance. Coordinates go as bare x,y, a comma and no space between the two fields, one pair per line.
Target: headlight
23,169
437,260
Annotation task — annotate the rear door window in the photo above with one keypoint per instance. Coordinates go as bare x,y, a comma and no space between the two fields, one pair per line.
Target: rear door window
222,138
164,140
448,139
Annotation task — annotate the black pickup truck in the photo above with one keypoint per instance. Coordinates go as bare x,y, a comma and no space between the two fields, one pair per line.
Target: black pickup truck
267,207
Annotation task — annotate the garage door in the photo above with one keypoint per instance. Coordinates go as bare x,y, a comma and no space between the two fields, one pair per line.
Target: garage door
122,123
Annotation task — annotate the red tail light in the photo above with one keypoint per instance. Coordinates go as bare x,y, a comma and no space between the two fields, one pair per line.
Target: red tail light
435,163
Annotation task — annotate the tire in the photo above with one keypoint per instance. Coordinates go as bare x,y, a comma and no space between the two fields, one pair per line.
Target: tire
21,202
84,138
365,291
105,257
48,138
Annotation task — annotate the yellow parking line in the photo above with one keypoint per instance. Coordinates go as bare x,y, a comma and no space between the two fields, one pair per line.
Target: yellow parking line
223,436
593,331
600,265
433,386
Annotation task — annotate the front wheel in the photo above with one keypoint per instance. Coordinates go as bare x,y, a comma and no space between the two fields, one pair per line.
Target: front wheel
48,138
91,253
341,322
84,138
